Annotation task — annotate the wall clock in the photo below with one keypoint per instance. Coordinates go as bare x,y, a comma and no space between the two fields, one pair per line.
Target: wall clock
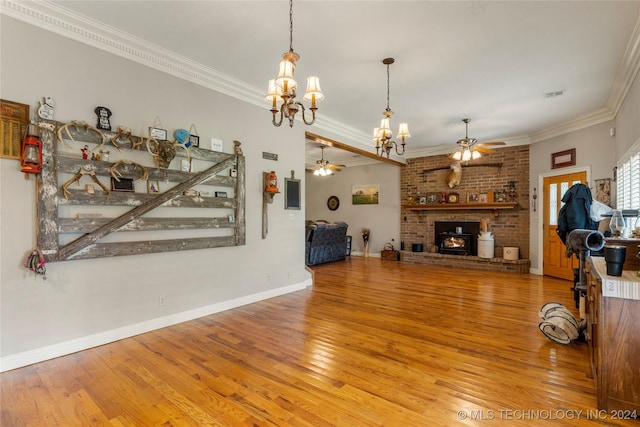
333,203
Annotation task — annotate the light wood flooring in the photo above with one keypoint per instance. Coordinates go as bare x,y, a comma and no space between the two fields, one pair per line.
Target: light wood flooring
373,343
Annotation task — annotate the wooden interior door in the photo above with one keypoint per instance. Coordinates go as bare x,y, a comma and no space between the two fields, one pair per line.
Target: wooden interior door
555,262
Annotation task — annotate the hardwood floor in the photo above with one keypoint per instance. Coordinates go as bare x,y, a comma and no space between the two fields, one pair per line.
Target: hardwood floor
372,343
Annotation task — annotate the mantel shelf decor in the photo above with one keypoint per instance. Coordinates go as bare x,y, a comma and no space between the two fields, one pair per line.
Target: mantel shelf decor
495,207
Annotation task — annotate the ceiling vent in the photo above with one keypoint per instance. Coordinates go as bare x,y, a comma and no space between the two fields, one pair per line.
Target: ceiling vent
554,94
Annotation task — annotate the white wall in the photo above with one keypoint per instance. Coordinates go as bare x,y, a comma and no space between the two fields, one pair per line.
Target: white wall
628,120
382,219
85,302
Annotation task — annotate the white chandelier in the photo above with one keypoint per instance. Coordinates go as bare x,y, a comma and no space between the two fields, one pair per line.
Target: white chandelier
382,135
282,90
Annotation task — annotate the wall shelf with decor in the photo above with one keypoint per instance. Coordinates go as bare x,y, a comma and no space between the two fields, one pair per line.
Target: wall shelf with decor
495,207
74,221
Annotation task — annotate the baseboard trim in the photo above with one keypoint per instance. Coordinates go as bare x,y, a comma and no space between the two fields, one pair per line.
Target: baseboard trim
19,360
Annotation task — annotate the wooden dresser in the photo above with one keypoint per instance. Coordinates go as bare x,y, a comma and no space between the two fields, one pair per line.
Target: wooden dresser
613,335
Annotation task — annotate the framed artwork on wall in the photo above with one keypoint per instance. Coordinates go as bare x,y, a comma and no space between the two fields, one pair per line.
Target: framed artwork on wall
366,194
564,158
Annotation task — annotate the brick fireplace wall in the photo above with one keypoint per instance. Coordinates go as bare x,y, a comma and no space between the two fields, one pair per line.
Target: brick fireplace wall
509,228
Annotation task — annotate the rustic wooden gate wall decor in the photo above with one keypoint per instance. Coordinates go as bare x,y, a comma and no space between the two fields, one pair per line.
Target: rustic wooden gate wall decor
50,198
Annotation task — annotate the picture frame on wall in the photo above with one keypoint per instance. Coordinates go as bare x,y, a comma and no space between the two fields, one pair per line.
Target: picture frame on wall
14,121
563,159
124,184
366,194
153,186
483,198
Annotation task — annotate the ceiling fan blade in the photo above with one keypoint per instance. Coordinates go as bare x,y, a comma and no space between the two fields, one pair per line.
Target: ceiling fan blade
483,149
493,143
334,168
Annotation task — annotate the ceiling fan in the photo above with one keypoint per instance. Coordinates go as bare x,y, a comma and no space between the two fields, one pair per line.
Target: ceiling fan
469,147
324,167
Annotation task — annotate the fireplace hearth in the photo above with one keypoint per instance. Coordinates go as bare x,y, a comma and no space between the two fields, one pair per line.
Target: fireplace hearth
457,237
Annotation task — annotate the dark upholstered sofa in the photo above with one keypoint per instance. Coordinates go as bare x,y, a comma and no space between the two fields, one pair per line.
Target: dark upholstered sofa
325,242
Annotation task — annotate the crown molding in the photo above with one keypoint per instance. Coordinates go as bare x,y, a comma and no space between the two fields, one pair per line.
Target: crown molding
591,119
57,19
627,71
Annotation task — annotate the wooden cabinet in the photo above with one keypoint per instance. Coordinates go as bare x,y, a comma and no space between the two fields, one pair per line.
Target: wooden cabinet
613,335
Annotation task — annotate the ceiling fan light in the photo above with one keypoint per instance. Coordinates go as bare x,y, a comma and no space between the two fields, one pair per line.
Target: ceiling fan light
314,93
466,155
475,155
457,155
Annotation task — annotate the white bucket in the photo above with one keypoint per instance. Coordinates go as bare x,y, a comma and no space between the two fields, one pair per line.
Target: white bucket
510,253
485,245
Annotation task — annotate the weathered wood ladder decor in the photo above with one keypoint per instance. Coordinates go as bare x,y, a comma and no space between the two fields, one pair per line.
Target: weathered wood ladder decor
52,224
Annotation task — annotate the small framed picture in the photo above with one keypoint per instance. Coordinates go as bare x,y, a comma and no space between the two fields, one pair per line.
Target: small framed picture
483,198
185,165
157,133
125,184
422,200
563,158
153,186
221,194
90,189
432,198
194,140
473,196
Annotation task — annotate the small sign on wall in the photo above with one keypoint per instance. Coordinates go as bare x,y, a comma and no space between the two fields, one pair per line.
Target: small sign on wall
564,158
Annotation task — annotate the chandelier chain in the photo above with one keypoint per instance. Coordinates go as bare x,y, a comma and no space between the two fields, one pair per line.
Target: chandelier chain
291,25
388,88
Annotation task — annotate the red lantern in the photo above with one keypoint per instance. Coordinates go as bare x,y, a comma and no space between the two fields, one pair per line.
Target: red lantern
31,159
272,183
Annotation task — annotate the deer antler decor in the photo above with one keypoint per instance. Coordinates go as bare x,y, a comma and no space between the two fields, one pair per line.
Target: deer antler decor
117,175
164,151
77,125
76,178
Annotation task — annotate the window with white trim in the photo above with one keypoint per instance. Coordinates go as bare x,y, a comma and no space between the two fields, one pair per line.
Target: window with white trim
628,179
